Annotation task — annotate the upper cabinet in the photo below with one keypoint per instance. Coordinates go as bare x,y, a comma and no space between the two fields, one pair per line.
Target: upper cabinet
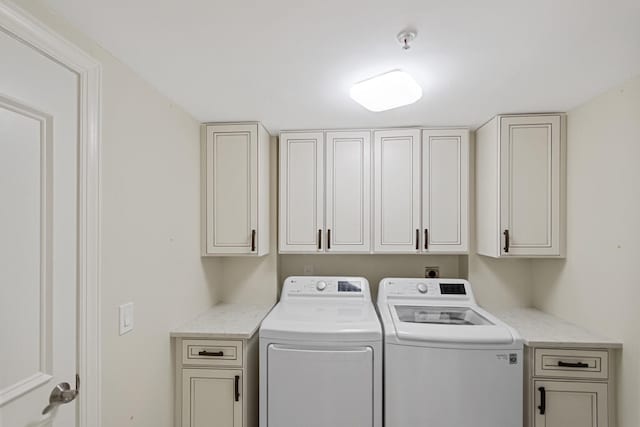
520,186
421,183
383,191
348,191
301,214
235,189
397,190
445,190
325,192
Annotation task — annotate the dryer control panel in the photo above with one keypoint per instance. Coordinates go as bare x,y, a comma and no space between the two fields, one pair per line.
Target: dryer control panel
326,286
432,289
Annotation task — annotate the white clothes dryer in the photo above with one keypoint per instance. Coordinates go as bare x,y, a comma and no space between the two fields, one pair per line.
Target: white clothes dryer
321,356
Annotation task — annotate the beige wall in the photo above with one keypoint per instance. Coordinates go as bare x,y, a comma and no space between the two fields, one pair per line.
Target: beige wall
500,283
598,285
373,267
496,283
150,237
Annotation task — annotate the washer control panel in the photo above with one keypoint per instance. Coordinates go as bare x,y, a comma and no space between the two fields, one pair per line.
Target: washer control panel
325,286
457,289
414,287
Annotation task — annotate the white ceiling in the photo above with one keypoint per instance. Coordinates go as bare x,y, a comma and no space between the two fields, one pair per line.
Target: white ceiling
290,63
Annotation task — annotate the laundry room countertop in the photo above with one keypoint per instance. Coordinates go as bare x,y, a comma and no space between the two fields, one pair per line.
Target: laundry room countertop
540,329
225,321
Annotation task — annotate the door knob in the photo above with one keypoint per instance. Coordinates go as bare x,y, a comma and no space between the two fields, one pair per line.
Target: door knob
62,394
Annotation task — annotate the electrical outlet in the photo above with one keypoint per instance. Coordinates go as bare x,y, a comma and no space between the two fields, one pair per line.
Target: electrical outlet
308,270
432,272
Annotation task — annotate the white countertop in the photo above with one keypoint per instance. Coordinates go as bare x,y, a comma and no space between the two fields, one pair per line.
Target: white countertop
541,329
225,321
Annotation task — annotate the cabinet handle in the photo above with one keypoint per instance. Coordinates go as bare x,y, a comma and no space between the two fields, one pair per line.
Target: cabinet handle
543,400
572,365
426,238
319,239
506,241
417,239
210,353
237,388
253,240
328,238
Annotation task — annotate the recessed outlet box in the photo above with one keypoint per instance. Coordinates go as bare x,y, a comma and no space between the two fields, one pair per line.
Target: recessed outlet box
431,272
126,318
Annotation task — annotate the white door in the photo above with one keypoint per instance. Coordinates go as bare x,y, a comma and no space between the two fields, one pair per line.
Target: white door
348,192
39,228
211,398
302,192
397,190
530,173
231,155
319,387
445,190
570,404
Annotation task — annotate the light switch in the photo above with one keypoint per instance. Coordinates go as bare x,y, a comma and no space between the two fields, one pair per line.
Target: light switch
126,318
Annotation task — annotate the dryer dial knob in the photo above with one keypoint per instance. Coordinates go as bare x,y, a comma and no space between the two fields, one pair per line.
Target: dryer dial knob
321,286
422,288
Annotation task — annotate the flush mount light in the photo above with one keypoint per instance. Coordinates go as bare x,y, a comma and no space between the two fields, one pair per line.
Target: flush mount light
386,91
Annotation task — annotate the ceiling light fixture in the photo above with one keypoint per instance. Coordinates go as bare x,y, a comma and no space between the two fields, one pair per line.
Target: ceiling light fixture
388,90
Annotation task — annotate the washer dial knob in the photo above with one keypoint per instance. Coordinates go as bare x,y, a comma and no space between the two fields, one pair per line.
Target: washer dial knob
422,288
321,286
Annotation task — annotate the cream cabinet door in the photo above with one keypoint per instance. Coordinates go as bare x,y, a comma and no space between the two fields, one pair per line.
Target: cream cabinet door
570,404
231,156
397,190
211,398
445,190
530,185
301,192
348,191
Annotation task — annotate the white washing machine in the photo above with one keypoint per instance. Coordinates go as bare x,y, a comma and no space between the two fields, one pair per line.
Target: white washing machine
448,362
321,356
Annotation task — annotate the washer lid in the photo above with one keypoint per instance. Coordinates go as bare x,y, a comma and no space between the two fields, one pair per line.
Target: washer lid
440,315
322,321
446,324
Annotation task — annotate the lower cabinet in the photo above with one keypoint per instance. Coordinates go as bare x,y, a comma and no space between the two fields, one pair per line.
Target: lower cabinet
569,387
216,382
570,404
211,398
